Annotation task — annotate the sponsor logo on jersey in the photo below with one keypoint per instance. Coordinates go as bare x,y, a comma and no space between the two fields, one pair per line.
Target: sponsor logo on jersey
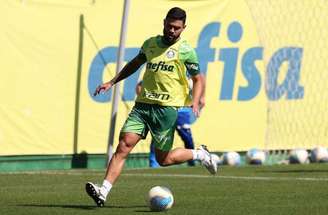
156,96
159,66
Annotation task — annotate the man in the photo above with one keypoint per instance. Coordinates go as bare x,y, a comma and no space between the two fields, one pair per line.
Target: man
184,120
165,87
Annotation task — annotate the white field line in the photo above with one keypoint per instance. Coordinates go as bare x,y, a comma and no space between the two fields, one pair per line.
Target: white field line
101,173
260,178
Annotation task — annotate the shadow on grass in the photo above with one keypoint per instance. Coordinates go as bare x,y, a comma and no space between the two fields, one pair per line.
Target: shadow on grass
83,207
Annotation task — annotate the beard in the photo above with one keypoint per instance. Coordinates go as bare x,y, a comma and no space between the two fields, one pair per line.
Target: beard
169,39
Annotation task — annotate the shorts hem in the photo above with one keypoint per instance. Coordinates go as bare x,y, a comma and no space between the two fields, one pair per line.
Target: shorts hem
134,132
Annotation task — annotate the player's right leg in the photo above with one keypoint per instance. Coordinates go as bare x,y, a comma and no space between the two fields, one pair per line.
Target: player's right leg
133,130
114,168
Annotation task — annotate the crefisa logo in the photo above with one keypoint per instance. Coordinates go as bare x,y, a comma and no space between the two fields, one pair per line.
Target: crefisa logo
159,66
289,88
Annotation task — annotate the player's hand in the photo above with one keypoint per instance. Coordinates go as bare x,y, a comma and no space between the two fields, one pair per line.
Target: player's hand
195,109
103,88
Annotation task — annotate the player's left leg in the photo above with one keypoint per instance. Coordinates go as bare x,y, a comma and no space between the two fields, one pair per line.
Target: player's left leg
162,130
180,155
162,127
172,157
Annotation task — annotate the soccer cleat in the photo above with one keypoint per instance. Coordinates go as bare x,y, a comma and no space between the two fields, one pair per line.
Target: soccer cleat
209,161
94,192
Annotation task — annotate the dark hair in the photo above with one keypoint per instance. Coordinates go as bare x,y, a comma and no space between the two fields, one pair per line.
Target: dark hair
176,13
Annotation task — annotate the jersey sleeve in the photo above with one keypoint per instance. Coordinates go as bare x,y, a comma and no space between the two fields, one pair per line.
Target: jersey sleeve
142,51
189,57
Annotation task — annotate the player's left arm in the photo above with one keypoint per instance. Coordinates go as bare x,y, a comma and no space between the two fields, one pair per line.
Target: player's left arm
202,96
197,90
192,65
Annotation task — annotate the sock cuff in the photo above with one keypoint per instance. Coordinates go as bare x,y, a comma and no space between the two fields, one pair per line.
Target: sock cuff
105,188
194,154
107,185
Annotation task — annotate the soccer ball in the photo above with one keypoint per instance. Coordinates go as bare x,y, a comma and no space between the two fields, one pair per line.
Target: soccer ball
298,156
255,156
319,154
160,198
231,158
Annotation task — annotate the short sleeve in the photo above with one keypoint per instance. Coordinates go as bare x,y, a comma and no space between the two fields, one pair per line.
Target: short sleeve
144,47
189,57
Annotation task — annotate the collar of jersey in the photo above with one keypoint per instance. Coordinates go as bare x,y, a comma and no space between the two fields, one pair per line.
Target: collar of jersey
161,44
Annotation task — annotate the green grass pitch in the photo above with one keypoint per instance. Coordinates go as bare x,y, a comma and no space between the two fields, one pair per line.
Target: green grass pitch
283,189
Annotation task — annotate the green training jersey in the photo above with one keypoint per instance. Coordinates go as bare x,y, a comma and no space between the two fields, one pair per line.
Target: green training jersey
165,81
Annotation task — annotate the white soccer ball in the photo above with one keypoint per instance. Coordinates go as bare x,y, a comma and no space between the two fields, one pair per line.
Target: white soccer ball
255,156
160,198
231,158
298,156
319,154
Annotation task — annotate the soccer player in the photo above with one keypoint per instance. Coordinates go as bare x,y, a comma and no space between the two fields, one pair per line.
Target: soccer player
164,88
184,120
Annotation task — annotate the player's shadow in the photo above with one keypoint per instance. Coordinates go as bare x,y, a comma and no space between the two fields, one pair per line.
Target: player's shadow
82,207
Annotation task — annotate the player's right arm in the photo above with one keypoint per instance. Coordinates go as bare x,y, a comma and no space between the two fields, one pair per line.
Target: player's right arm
130,68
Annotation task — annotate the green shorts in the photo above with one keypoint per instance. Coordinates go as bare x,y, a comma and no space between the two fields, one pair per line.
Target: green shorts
159,120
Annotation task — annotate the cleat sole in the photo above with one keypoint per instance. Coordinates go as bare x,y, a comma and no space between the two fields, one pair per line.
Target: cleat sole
89,188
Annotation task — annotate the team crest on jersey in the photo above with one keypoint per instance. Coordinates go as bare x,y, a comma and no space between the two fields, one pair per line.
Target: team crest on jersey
170,54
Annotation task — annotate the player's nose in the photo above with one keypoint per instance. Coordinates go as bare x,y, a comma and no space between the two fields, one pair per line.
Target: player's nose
171,30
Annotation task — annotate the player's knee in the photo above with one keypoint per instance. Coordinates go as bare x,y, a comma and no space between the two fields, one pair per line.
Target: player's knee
123,149
164,161
164,158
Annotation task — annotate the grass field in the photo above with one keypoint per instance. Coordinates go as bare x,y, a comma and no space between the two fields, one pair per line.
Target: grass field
285,189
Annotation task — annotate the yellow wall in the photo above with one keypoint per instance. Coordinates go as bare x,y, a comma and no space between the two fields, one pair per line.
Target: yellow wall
40,61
